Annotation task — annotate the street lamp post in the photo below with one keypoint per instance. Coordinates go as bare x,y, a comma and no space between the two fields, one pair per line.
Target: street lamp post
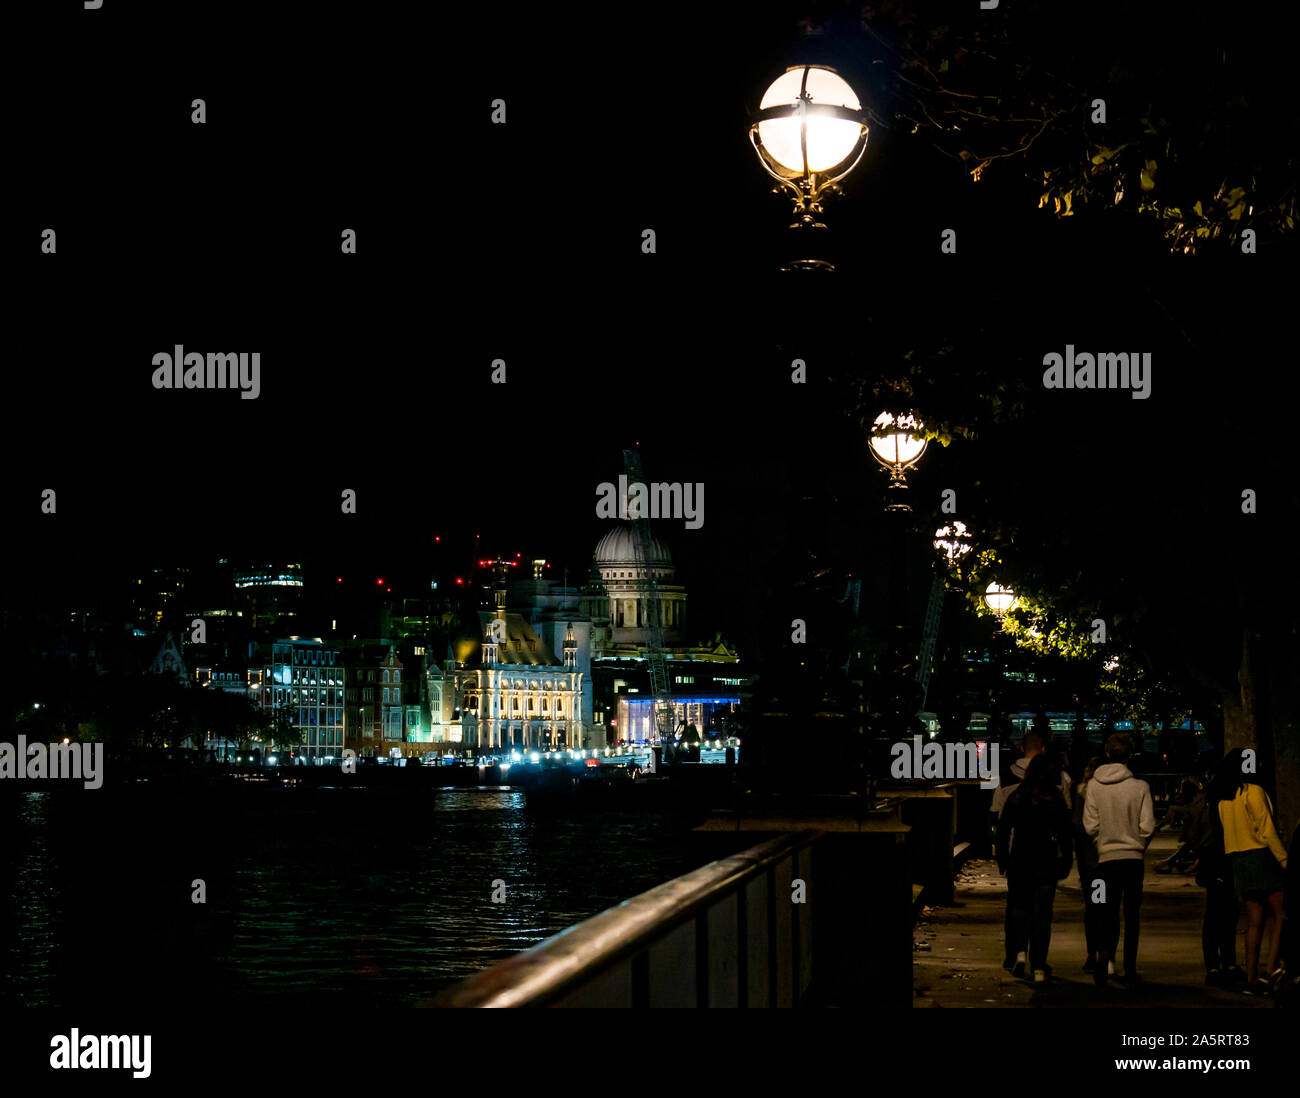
810,131
894,445
896,448
953,543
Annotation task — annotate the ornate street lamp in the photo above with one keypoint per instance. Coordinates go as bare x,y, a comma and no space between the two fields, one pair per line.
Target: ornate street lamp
896,448
809,133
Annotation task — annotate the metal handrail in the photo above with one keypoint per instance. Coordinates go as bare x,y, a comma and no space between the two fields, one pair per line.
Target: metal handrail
561,963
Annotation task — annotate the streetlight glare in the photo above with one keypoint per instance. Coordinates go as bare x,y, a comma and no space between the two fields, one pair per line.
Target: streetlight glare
828,140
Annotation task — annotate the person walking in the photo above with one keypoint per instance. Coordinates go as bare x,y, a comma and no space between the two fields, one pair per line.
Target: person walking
1214,874
1085,853
1031,748
1258,860
1285,992
1118,813
1033,849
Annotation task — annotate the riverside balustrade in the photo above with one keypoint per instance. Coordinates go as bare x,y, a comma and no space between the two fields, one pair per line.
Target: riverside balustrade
727,934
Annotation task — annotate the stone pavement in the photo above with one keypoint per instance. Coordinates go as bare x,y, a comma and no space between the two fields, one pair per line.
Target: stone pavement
958,957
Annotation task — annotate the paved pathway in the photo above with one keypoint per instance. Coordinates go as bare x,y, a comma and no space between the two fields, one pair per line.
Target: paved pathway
958,958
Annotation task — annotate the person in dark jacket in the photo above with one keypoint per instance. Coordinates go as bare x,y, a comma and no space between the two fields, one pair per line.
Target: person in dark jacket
1286,989
1085,851
1214,874
1034,851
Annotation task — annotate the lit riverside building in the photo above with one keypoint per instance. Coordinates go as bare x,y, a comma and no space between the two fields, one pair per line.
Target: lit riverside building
516,692
374,708
614,599
307,684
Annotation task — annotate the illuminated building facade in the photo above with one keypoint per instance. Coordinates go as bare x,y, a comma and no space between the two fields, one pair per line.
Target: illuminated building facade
515,692
268,593
704,680
375,712
306,684
441,703
619,590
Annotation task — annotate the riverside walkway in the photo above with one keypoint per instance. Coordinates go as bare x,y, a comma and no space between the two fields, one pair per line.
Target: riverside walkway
958,949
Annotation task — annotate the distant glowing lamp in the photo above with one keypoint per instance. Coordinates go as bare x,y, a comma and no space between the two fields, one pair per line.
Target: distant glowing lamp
952,541
999,599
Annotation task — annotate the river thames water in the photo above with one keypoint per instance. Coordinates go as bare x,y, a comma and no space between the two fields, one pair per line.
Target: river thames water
355,896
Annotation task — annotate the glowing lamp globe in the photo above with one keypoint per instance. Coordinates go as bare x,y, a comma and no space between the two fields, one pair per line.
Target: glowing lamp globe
892,442
801,137
999,599
952,541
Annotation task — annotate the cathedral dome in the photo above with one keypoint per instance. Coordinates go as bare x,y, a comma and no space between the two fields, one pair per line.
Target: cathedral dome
619,547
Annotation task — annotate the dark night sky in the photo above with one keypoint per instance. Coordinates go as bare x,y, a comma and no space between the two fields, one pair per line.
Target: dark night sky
522,242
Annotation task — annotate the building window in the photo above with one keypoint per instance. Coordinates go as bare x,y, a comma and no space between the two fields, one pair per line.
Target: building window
385,676
385,695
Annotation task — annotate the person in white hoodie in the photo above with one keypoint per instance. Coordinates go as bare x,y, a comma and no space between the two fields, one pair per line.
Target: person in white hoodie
1119,815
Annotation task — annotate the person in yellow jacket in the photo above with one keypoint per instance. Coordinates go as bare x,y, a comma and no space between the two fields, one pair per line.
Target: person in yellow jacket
1257,857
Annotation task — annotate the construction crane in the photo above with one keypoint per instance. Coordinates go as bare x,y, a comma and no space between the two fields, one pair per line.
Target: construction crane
933,613
659,682
854,592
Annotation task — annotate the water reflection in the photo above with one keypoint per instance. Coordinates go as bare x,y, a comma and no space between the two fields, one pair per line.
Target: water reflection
379,897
